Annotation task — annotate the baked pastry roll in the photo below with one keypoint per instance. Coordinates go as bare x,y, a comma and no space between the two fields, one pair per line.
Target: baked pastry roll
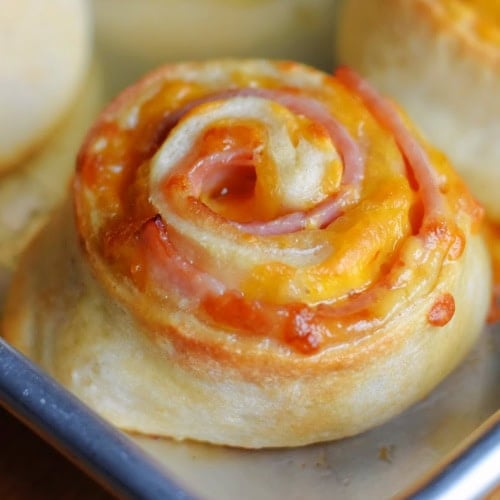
262,255
29,192
441,60
45,51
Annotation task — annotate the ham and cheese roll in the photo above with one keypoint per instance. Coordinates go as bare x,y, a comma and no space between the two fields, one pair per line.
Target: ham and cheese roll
262,255
441,60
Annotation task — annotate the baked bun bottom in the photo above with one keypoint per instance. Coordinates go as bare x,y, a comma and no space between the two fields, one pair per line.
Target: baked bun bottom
60,316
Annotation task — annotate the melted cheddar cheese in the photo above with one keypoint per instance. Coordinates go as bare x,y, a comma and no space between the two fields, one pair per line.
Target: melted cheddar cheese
265,202
480,16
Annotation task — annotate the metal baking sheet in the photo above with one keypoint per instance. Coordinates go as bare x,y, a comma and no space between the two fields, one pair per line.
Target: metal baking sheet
410,457
381,463
384,462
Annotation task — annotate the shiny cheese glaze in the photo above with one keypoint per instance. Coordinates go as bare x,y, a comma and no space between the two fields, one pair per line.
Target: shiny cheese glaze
479,16
299,209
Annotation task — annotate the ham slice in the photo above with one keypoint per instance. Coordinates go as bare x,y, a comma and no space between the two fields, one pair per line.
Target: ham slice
302,325
321,215
307,106
416,156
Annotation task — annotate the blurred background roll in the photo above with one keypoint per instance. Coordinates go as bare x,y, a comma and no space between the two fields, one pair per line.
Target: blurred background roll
440,59
44,51
47,100
34,188
136,35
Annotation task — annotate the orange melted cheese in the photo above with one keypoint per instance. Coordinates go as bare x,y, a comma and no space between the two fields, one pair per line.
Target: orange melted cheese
360,249
442,310
363,238
482,16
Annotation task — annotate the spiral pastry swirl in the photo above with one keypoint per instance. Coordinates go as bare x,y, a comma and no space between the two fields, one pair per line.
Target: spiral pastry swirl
274,244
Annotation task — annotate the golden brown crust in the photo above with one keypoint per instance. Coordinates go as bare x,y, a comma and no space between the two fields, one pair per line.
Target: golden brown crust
469,26
176,315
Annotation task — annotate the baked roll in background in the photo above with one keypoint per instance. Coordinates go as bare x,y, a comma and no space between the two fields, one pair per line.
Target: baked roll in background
44,52
48,98
137,35
32,190
261,255
440,59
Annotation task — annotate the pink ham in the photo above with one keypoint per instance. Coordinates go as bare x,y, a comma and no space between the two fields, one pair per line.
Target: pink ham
302,325
320,216
416,156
